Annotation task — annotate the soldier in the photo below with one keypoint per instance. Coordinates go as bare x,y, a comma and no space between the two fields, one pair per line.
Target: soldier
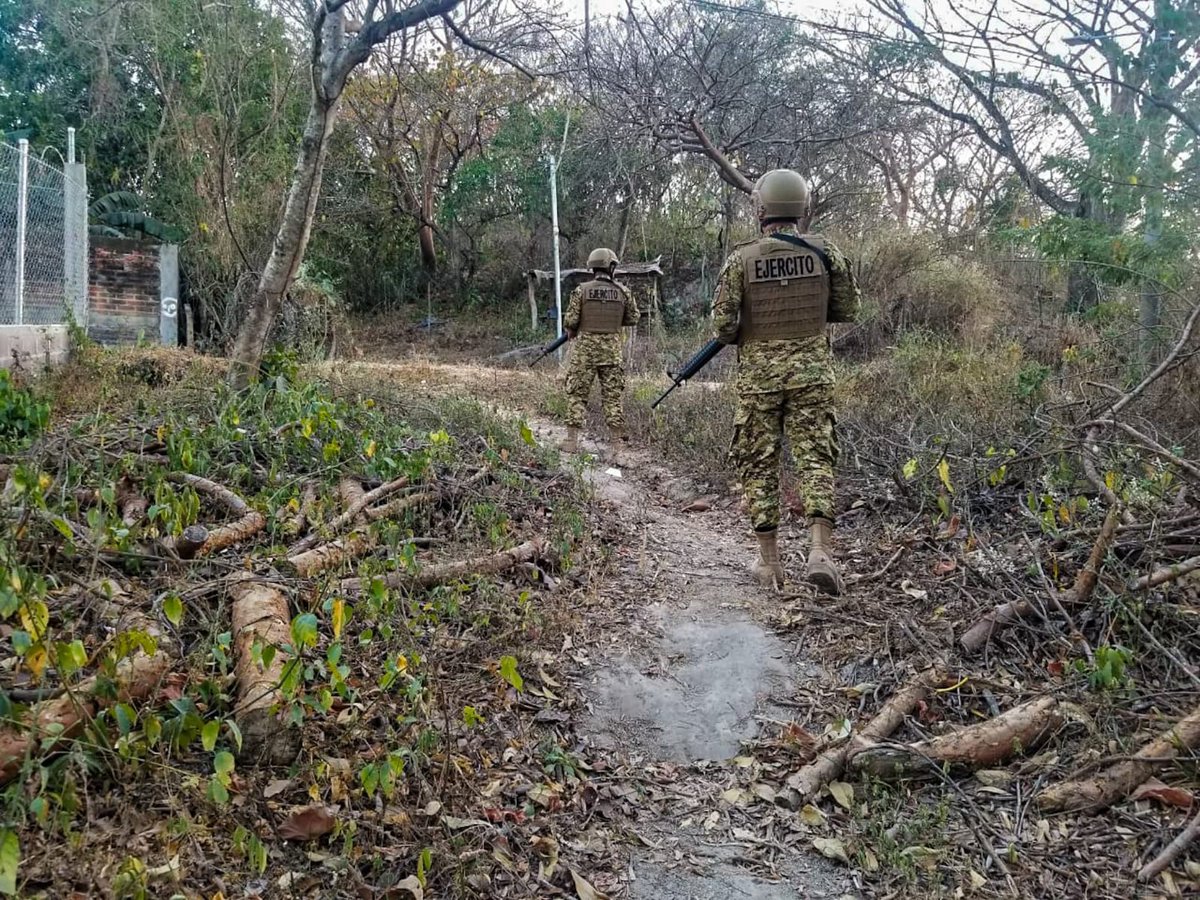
774,297
596,312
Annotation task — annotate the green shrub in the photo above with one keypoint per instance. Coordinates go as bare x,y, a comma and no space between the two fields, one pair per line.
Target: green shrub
22,416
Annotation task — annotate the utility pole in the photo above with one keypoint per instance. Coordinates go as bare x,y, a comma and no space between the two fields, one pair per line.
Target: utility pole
554,223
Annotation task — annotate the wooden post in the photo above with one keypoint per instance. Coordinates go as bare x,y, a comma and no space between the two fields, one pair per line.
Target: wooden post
531,282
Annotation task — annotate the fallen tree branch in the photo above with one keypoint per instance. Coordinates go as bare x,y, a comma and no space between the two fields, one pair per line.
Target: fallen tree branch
973,747
1155,867
1117,781
261,617
978,635
53,722
431,575
1165,574
351,491
829,765
296,525
249,523
352,512
330,555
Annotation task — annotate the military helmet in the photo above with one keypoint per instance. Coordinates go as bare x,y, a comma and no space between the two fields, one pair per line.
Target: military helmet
601,258
780,194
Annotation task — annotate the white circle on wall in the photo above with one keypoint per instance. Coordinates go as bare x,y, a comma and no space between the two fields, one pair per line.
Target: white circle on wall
170,307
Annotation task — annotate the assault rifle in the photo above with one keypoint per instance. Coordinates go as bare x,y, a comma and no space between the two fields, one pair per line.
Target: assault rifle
550,348
702,358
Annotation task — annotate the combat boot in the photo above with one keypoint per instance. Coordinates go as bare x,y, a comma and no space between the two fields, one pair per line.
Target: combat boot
619,442
822,570
767,569
570,444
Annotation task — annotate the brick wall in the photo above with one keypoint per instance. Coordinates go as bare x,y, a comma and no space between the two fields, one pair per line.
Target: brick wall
123,291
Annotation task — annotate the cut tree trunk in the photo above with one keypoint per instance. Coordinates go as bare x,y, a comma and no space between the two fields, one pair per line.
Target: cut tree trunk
974,747
329,556
135,677
261,616
249,523
829,765
431,575
1119,780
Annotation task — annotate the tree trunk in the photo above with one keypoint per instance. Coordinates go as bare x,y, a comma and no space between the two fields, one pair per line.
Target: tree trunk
260,616
1115,783
291,240
1018,730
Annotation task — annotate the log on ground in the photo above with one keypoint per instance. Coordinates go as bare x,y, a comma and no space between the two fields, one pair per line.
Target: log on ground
431,575
1120,779
261,617
829,765
973,747
53,722
249,523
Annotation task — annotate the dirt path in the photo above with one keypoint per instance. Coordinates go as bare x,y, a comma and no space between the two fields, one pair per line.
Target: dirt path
692,676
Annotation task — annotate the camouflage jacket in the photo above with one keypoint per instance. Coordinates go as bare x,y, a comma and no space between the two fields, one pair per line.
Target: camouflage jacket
598,349
766,366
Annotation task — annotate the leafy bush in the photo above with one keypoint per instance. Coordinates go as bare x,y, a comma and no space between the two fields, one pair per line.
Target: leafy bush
22,416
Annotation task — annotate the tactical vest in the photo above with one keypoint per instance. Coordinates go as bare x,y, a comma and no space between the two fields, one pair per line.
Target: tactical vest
785,290
603,307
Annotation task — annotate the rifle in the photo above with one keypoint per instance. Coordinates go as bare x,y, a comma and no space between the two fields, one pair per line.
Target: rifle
702,358
550,348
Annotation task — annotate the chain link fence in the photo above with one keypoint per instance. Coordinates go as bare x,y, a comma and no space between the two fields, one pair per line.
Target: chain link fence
43,240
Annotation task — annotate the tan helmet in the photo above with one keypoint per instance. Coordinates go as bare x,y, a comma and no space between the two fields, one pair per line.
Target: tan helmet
602,258
780,194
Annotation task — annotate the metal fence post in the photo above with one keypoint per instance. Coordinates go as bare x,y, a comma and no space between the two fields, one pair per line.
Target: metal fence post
22,217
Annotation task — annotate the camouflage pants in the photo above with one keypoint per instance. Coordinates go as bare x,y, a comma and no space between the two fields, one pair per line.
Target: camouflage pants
806,417
579,386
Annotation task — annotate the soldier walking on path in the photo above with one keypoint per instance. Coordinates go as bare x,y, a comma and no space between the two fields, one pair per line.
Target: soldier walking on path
775,295
596,313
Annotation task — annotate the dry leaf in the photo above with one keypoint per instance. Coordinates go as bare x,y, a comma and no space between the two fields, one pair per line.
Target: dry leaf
307,824
915,592
1164,793
944,567
735,796
870,861
764,792
843,793
977,880
832,848
700,505
412,884
811,816
584,889
276,787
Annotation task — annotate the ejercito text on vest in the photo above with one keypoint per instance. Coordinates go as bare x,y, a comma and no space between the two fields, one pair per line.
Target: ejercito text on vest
603,307
785,291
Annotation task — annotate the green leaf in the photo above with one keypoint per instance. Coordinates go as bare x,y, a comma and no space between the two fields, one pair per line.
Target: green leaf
125,716
304,631
223,763
508,671
235,733
10,861
209,734
527,435
217,792
173,609
70,658
910,469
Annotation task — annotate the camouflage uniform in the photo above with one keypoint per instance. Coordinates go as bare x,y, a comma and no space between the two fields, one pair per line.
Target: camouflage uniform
784,387
596,356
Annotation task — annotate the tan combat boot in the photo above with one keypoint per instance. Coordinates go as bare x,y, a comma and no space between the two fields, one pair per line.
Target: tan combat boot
767,569
822,570
619,442
570,444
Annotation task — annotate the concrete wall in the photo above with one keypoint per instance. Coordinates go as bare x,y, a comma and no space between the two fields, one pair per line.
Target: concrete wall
34,346
133,292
